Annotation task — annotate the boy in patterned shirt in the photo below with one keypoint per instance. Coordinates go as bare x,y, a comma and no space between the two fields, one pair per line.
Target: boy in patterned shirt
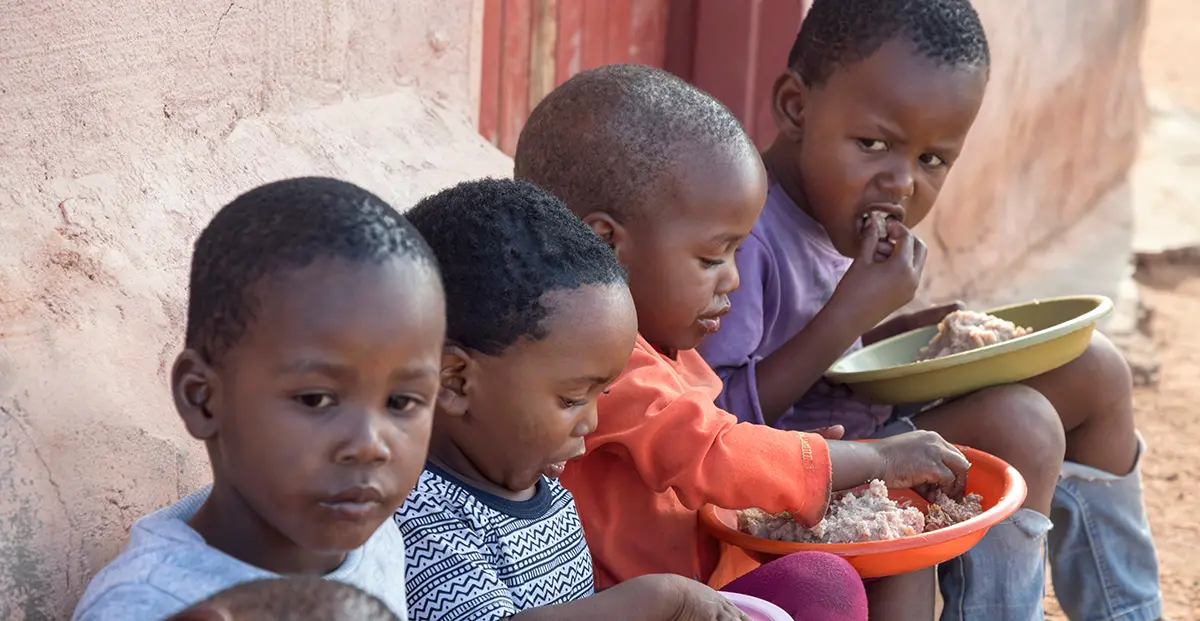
539,322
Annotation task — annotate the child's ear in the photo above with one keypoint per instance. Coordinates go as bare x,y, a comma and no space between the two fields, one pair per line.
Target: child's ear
789,95
193,384
457,366
612,232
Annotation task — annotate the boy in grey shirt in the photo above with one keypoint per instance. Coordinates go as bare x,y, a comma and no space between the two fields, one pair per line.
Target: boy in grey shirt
315,330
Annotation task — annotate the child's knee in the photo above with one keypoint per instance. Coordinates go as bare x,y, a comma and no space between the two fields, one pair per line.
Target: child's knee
819,585
1106,368
1019,425
820,568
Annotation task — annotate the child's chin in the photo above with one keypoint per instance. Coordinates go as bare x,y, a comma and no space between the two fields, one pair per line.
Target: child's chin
345,544
344,538
693,340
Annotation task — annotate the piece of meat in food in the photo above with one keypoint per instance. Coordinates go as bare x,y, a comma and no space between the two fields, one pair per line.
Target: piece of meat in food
854,516
965,330
945,511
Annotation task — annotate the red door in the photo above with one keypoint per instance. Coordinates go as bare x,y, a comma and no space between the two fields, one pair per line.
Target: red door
532,46
733,49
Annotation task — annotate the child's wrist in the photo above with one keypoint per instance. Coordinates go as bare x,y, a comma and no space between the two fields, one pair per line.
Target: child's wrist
853,312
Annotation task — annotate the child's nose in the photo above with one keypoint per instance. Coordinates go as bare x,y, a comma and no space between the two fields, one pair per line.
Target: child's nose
364,439
730,279
898,181
587,424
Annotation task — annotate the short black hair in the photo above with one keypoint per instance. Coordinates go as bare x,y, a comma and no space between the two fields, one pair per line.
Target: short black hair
298,599
610,139
836,33
284,225
502,246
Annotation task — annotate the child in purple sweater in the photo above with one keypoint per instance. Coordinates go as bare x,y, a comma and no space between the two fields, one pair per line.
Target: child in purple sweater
872,111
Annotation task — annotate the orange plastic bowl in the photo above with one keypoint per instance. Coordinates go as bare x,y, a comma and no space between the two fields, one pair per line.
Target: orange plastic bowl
999,484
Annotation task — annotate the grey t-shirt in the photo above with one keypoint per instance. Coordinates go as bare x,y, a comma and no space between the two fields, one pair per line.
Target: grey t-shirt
167,567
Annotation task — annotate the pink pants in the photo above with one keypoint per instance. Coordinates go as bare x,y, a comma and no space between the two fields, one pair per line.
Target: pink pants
813,586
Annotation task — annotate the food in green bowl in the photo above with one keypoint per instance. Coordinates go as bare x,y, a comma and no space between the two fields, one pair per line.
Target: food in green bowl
965,330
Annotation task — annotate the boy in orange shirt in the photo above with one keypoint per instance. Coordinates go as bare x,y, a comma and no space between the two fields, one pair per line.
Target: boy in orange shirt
667,176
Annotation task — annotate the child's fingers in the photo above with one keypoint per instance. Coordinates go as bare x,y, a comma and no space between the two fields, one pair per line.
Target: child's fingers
945,477
867,243
883,250
926,491
904,238
832,432
958,464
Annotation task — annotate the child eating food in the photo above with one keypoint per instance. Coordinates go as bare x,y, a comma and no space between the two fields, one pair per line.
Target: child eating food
872,112
668,178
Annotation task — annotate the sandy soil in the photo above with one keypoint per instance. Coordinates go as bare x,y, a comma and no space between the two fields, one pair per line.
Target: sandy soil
1167,418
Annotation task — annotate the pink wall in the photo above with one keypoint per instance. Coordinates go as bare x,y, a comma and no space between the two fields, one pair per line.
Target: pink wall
123,125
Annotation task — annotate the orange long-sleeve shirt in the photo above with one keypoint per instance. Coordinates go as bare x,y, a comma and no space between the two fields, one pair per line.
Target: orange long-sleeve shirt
662,450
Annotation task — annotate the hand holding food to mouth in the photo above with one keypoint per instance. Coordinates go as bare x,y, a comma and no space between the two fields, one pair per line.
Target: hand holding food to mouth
886,272
876,223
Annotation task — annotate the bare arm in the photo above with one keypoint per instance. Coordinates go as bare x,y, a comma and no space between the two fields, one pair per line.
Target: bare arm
854,463
790,372
868,293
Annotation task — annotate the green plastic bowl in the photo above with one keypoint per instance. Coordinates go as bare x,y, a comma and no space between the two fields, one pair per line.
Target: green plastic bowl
885,372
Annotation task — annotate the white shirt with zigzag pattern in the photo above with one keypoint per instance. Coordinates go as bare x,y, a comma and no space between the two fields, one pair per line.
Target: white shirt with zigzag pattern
473,555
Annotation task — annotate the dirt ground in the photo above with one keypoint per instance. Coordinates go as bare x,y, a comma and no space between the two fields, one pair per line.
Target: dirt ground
1167,418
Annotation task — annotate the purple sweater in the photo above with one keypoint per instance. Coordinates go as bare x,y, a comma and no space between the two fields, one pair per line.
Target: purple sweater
789,269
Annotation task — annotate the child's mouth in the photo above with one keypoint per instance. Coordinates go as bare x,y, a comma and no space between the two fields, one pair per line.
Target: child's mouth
355,503
874,220
875,223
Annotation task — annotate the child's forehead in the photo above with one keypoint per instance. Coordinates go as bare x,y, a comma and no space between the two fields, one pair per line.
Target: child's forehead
900,85
335,300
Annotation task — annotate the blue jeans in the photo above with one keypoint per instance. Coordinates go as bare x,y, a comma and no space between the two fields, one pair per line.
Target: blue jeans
1102,558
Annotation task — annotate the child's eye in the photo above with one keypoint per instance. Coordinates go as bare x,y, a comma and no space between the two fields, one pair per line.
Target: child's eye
316,400
870,144
573,403
932,160
711,263
401,403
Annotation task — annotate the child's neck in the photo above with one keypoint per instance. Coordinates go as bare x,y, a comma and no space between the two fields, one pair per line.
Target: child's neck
447,455
781,169
229,524
669,352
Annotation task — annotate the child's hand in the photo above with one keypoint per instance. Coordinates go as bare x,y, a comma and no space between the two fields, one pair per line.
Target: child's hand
832,432
877,284
698,602
922,457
